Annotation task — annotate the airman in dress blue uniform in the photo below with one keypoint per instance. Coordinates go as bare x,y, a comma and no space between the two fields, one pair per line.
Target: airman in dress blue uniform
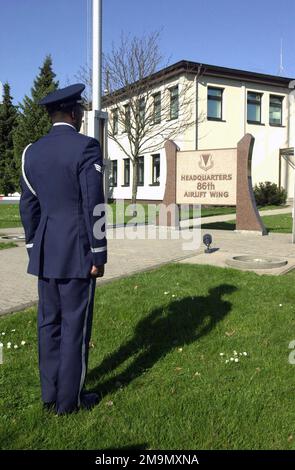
62,183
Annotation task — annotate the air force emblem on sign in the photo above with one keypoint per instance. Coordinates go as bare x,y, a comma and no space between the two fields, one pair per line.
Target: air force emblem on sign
206,161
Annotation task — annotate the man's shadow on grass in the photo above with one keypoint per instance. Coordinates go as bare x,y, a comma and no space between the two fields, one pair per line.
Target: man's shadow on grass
165,328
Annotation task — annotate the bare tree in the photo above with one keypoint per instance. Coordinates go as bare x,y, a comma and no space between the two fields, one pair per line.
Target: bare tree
148,107
84,75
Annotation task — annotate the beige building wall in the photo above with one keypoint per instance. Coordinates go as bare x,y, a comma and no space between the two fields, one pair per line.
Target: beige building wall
226,133
185,140
208,134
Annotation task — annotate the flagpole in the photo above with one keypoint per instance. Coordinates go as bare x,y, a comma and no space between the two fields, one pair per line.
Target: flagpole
96,54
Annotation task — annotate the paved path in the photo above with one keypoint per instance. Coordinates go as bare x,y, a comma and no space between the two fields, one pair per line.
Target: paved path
126,256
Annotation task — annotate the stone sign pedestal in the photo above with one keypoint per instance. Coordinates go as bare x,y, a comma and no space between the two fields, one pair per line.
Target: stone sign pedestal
247,215
166,217
211,177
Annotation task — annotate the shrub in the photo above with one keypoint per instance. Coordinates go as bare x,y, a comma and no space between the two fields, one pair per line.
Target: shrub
269,193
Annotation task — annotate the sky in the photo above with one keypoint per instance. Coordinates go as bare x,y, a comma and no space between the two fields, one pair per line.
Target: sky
230,33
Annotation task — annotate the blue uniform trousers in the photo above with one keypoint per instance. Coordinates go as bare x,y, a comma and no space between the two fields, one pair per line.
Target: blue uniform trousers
65,312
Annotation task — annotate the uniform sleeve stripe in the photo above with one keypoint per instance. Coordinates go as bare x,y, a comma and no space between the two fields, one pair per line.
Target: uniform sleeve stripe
29,245
98,167
98,250
23,170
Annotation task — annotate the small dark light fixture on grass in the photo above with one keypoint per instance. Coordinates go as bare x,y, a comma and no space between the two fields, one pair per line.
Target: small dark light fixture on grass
207,240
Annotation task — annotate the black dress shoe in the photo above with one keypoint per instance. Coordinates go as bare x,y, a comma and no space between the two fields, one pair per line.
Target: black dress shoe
49,405
89,400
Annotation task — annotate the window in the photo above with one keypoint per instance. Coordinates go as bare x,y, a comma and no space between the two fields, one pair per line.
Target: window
140,171
156,169
113,173
115,116
126,171
157,108
126,117
174,105
214,103
254,107
141,111
275,110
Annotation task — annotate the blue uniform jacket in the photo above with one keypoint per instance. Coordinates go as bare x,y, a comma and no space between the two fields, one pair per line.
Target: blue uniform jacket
62,184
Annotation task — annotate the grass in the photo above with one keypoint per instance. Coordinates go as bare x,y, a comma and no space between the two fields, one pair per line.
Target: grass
9,216
156,363
5,245
223,210
9,213
281,223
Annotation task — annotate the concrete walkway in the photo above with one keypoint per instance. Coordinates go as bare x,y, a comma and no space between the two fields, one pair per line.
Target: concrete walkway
127,256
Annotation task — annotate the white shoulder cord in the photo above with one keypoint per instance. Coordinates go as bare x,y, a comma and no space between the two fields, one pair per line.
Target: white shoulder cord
23,170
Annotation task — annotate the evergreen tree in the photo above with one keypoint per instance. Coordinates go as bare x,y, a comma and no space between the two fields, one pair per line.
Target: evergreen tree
33,121
8,121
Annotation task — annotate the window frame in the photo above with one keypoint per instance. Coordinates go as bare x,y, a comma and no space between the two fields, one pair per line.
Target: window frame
127,111
281,109
114,163
125,167
141,110
155,95
249,121
115,114
154,181
216,99
171,89
139,160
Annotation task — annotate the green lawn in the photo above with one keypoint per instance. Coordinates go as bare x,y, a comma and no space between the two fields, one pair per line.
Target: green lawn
9,216
223,210
156,363
4,246
9,213
274,223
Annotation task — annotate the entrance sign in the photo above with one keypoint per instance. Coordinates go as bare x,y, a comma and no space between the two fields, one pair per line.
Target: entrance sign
212,177
207,177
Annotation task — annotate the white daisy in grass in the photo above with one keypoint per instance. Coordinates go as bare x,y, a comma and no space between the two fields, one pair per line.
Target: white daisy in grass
166,293
237,356
15,346
23,343
9,345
